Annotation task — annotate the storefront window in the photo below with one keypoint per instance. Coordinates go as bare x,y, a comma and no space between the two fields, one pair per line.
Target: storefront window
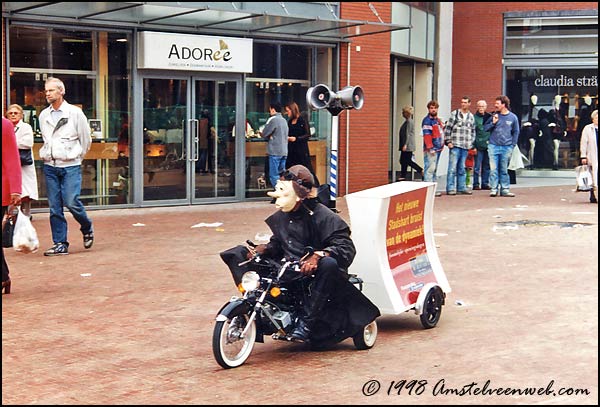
283,73
51,48
95,68
575,35
553,106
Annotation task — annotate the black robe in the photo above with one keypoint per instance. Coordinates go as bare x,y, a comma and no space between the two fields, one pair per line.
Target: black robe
315,225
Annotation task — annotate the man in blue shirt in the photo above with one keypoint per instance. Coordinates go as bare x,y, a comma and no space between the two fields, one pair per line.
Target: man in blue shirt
276,132
504,133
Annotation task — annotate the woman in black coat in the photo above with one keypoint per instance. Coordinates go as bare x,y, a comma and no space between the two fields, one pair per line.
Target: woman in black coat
298,135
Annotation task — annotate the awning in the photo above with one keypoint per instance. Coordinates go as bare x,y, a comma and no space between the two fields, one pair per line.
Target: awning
290,20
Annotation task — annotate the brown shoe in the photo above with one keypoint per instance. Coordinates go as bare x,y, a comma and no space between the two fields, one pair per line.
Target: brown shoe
6,286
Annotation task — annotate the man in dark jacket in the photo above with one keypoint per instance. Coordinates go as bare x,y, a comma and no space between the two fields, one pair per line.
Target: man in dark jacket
481,176
303,221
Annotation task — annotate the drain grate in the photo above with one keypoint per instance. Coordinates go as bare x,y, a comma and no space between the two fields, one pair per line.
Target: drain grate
528,223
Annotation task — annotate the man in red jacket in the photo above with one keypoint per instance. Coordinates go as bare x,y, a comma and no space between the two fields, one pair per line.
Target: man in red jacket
11,183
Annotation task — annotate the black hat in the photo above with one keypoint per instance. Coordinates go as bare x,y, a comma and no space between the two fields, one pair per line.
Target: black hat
303,180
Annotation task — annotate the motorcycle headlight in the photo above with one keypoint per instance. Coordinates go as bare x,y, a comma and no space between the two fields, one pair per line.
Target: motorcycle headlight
250,281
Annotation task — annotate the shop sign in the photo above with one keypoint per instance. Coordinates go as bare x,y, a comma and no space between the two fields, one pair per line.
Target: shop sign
564,80
194,52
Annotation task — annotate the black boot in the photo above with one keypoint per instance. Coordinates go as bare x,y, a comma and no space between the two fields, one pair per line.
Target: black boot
593,197
301,332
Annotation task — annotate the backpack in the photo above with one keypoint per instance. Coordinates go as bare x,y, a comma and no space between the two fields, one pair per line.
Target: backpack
324,196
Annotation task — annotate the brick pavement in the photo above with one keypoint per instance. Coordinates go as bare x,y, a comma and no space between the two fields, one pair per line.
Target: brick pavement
138,329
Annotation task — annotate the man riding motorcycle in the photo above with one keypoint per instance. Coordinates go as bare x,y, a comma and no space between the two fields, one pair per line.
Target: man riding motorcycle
335,305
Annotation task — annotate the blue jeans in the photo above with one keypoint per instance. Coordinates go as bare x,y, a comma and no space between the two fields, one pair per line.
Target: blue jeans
276,166
63,186
456,170
499,158
430,160
482,169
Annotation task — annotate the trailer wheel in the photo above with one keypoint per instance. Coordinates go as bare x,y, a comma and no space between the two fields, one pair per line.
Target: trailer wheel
432,308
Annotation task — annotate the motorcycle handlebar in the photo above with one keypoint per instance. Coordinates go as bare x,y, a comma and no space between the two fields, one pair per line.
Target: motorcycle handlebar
256,257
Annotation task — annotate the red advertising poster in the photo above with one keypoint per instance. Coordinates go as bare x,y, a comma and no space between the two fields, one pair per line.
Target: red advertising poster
405,244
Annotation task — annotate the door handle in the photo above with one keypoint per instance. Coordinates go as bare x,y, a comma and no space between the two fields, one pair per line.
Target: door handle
185,130
195,140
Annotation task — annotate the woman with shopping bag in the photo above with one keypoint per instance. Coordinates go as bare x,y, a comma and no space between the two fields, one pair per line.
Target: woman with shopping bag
11,184
589,151
24,136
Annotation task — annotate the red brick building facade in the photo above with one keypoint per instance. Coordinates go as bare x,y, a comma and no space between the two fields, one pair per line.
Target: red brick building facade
477,47
370,126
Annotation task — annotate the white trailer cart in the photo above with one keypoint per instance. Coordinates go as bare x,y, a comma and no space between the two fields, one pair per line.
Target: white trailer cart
395,250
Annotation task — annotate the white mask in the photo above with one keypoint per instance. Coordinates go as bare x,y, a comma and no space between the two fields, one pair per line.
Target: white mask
286,198
587,99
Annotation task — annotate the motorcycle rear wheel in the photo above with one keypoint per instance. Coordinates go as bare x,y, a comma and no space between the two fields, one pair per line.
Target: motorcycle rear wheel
367,337
229,349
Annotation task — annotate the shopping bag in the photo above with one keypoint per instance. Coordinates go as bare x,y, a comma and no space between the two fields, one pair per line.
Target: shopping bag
516,159
8,230
584,178
25,238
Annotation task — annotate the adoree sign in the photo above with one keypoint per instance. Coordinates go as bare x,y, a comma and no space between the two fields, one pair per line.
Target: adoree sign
190,52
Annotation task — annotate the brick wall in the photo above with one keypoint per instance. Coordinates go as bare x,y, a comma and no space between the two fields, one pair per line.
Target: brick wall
369,126
477,48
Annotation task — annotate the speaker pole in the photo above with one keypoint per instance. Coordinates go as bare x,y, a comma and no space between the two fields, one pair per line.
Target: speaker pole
335,124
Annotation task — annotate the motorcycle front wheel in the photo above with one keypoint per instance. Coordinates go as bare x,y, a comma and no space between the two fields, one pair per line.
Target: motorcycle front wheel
229,348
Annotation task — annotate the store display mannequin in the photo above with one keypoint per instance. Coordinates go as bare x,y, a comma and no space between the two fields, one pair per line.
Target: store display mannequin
585,112
558,124
533,109
530,129
563,109
556,136
584,117
542,156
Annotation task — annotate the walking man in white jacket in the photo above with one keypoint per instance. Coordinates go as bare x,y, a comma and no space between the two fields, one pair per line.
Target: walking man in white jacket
67,138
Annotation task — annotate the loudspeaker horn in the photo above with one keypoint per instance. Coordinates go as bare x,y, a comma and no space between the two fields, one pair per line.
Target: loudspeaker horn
351,97
318,97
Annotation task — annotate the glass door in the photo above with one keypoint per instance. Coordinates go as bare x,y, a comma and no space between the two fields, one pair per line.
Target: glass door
189,144
165,121
213,136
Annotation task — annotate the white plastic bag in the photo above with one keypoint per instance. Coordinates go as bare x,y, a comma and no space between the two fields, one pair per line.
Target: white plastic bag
584,178
516,159
25,238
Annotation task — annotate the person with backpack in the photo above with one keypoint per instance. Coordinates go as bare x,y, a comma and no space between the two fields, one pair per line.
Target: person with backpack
432,129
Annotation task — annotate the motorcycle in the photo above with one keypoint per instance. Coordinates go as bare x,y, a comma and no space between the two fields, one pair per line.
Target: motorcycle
274,296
